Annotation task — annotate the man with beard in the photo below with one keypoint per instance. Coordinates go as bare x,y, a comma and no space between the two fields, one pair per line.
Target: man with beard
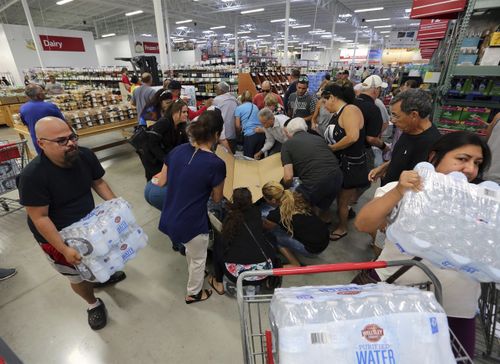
56,189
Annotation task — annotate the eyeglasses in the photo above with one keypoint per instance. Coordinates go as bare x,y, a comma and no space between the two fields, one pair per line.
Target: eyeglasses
303,79
63,141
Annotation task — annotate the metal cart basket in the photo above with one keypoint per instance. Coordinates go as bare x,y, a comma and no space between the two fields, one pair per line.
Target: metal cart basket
13,158
255,332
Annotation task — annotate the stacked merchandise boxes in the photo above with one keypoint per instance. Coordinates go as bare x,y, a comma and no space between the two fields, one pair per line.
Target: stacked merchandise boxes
457,118
85,98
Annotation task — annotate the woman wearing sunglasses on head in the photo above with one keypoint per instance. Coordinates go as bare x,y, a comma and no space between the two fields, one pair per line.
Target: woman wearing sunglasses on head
456,152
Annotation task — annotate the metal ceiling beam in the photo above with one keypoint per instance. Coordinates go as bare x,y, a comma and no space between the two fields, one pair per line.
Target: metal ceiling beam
8,5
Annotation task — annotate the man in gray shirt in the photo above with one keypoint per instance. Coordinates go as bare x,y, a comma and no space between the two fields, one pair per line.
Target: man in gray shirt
227,104
309,158
143,94
301,103
274,129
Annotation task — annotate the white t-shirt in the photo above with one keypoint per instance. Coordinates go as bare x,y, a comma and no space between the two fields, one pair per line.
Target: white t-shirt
460,293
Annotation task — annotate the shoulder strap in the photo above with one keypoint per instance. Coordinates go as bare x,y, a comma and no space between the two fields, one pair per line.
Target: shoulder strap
256,242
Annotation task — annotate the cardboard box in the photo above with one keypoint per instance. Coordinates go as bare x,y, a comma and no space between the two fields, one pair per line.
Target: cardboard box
252,174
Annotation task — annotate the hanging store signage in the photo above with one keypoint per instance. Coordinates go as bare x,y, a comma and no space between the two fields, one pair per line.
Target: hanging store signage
54,43
432,29
151,47
346,54
429,44
402,38
429,9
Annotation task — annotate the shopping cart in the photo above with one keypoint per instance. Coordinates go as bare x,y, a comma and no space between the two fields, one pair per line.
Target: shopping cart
13,158
255,333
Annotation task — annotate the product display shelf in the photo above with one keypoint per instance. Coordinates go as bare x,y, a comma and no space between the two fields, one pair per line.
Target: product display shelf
483,71
206,79
253,82
467,95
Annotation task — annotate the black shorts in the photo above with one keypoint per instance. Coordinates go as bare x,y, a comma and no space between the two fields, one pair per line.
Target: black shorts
322,194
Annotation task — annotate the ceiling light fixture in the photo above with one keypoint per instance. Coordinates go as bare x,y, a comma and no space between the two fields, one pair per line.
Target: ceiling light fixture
301,26
137,12
379,19
385,31
244,32
146,35
345,15
264,36
368,9
382,26
218,27
252,11
62,2
407,10
184,21
182,28
414,24
108,35
280,20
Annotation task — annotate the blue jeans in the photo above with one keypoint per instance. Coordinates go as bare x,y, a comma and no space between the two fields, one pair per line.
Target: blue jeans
155,195
286,241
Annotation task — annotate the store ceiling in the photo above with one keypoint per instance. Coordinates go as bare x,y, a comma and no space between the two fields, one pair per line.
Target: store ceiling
101,17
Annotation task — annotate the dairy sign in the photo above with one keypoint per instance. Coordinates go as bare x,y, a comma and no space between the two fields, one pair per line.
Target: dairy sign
54,43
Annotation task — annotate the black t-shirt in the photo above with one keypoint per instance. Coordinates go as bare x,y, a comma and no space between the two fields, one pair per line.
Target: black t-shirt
312,159
409,151
371,115
242,249
308,229
67,191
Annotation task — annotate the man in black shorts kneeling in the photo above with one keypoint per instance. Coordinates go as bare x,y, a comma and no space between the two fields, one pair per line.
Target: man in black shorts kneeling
56,189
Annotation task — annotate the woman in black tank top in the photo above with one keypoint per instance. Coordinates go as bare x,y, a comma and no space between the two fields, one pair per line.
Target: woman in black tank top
346,137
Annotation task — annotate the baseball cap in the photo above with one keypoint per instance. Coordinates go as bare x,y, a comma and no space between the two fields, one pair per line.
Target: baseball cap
174,85
374,81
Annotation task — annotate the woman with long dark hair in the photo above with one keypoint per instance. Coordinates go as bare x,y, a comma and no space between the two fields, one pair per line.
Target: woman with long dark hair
242,245
346,137
455,152
167,133
193,173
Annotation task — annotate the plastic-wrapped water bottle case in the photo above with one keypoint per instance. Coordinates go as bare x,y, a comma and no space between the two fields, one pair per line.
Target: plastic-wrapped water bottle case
452,223
375,323
106,239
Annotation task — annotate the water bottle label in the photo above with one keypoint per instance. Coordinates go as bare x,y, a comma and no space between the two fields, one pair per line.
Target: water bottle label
434,325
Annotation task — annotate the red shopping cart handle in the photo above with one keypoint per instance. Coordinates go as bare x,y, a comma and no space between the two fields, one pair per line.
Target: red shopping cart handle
325,268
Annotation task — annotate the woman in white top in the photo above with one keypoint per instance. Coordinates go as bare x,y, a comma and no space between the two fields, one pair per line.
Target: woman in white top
463,152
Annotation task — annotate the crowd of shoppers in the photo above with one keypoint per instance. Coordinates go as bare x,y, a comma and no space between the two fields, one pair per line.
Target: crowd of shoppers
329,159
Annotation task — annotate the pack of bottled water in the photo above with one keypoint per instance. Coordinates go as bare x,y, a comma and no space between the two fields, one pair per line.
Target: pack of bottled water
106,239
452,223
370,324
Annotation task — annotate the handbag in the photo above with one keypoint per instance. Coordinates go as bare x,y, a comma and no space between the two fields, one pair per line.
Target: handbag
355,170
271,281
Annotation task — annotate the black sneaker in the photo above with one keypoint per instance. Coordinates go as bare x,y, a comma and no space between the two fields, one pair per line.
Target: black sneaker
98,316
115,278
6,273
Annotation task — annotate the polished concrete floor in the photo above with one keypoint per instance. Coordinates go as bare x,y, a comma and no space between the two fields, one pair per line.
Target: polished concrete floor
43,321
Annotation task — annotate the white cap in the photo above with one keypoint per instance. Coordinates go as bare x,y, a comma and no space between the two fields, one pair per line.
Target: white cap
374,81
358,87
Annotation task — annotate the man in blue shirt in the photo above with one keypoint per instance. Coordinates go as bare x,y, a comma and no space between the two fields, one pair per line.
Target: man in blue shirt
36,109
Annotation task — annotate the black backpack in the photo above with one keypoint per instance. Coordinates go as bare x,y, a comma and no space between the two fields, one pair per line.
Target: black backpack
140,139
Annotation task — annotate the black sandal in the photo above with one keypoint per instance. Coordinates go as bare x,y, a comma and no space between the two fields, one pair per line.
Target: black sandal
198,297
97,317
